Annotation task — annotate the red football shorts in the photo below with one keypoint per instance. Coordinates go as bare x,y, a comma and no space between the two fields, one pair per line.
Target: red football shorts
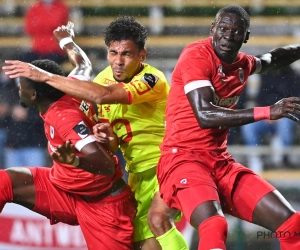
106,223
188,179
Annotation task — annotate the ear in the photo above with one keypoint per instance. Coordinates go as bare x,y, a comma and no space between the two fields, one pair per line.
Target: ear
212,28
143,55
247,36
33,95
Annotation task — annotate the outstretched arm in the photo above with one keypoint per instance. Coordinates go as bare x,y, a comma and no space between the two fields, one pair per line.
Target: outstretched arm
279,57
209,115
64,36
84,90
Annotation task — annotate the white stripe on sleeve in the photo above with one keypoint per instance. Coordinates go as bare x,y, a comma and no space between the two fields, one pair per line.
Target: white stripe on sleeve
196,85
80,144
258,66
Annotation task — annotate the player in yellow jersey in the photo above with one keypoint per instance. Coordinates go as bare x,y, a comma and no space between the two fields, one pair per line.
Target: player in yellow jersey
132,97
139,126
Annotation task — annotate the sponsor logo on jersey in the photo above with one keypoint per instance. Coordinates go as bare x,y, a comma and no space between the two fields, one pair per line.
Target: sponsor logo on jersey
51,132
82,130
150,79
84,106
108,81
241,75
226,101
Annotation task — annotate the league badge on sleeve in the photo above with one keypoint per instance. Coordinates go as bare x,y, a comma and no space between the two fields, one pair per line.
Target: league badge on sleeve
82,130
150,79
241,75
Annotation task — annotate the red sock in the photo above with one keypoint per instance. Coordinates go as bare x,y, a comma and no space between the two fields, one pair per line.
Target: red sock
213,233
6,193
289,233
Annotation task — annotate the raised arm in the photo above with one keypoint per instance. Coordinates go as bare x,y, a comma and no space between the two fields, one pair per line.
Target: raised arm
209,115
279,57
64,36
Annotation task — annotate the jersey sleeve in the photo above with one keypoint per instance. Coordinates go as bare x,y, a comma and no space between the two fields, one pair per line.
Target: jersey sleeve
194,65
149,85
254,64
72,126
146,87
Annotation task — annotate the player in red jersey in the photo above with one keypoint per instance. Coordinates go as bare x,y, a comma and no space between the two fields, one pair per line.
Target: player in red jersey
196,173
84,186
131,96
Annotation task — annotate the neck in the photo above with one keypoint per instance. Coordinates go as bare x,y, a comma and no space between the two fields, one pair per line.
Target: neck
43,107
139,69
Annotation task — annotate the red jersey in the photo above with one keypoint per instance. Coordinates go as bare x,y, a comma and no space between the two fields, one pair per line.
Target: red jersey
65,121
198,66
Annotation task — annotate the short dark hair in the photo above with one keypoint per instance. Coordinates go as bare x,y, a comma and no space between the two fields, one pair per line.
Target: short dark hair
126,28
238,10
45,90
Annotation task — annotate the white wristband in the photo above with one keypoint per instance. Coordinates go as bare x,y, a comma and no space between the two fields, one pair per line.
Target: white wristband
76,161
65,41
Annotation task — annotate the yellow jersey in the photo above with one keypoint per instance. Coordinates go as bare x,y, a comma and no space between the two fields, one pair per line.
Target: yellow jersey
139,125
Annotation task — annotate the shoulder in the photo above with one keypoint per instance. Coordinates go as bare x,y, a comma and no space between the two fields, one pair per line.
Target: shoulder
151,76
198,51
148,69
251,62
62,108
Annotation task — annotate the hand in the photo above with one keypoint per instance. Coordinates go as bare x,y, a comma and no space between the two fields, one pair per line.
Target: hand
103,132
287,107
64,31
64,153
15,69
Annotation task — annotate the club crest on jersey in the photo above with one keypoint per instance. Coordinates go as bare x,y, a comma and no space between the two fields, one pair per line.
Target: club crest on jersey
82,130
51,132
150,79
241,75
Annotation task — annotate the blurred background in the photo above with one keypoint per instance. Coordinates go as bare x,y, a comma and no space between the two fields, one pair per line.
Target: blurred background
269,148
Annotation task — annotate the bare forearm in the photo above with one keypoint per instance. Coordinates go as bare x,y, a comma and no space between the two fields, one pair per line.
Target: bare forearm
80,61
85,90
92,164
224,118
114,145
76,55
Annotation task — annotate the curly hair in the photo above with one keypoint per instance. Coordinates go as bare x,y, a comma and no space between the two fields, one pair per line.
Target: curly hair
45,90
126,28
237,10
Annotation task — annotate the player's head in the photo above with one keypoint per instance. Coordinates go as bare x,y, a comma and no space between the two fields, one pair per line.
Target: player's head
229,31
125,39
34,93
